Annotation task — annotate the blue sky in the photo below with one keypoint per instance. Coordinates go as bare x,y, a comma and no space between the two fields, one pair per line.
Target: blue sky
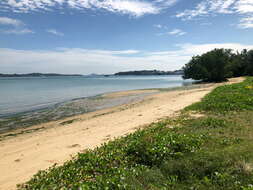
106,36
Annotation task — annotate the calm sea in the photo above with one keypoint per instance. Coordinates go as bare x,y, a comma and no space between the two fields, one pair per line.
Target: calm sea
28,93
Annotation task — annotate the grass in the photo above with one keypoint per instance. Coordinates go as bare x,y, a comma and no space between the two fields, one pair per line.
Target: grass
236,97
212,152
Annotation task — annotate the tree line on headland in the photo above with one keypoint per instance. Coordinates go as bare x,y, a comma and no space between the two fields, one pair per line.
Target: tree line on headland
150,72
219,64
37,75
214,66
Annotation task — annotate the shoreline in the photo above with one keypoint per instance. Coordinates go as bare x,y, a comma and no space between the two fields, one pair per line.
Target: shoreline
58,111
17,113
58,141
11,122
51,104
25,107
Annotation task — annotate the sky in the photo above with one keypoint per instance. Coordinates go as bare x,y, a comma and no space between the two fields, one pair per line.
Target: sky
107,36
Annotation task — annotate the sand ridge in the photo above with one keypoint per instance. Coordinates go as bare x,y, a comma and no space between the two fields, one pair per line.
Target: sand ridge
24,155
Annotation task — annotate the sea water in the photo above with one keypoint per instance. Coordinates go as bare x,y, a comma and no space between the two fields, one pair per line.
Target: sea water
19,94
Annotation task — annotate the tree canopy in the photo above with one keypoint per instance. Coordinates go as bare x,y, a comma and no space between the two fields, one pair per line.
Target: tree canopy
219,64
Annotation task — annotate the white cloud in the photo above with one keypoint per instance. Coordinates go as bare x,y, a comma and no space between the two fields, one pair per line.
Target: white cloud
136,8
246,22
200,10
177,32
158,26
65,60
10,21
196,49
131,7
207,7
241,8
55,32
16,26
244,6
17,31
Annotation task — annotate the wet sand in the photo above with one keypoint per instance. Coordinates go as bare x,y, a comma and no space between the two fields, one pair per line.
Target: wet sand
74,107
25,153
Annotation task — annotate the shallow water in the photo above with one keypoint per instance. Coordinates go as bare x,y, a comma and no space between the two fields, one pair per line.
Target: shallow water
28,93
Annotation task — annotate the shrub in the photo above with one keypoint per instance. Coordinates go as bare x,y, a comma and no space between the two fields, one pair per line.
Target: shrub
218,65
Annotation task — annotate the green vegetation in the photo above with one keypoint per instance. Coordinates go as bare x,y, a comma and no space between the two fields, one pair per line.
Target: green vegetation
236,97
219,64
213,151
150,72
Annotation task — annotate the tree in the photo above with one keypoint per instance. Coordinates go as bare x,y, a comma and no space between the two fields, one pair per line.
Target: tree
212,66
249,67
238,63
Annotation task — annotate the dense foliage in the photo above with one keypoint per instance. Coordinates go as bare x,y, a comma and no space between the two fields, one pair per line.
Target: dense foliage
150,72
213,151
219,64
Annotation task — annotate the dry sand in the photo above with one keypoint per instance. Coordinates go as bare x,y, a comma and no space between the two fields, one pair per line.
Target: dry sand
22,156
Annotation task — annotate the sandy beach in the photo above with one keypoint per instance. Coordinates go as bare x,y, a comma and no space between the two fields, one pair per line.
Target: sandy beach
41,146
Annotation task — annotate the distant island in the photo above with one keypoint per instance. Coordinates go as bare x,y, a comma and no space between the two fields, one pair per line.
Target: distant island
150,72
37,75
141,72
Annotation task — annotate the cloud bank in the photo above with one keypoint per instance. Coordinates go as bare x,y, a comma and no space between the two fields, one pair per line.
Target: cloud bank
86,61
130,7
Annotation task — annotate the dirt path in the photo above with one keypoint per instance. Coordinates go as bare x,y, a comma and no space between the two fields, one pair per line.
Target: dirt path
23,155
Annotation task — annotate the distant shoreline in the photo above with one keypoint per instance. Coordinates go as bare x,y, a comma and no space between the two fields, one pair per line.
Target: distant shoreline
149,72
125,73
38,75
